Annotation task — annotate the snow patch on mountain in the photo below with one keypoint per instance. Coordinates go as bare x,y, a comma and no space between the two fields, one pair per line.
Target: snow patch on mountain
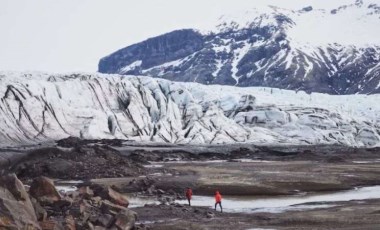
38,107
335,51
131,66
352,24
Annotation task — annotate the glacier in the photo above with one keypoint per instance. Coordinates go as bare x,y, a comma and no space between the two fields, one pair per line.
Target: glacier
39,107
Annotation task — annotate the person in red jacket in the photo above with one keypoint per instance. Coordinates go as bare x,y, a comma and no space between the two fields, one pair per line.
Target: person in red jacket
218,200
189,194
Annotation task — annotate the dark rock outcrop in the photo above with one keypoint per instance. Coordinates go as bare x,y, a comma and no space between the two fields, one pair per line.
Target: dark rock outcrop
152,52
81,162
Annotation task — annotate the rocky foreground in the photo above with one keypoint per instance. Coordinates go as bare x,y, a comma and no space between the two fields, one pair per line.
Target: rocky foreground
113,177
43,207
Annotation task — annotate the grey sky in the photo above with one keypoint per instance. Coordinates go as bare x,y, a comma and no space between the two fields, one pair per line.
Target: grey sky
72,35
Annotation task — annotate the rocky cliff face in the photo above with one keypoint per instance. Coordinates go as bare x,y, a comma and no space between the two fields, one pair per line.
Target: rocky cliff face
155,51
311,50
37,107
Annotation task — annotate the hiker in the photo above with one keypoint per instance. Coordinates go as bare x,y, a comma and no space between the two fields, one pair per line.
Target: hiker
218,200
189,194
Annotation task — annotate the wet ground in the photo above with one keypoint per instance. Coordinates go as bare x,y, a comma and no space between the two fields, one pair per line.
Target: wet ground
292,187
267,194
278,204
344,215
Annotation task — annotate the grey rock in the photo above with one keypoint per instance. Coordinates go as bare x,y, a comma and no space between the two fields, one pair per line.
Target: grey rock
105,220
43,189
125,220
39,210
16,208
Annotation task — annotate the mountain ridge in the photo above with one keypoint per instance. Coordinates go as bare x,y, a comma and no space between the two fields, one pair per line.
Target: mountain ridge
276,48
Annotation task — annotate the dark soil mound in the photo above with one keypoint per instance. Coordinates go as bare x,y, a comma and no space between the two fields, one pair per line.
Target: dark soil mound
76,142
81,162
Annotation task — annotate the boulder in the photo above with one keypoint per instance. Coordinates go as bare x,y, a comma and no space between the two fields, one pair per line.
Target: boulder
16,208
39,210
110,194
108,207
96,199
43,189
62,204
105,220
72,194
125,220
86,192
69,223
90,226
85,206
51,225
117,197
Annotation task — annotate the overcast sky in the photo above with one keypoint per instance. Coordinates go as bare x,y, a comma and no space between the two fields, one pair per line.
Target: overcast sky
72,35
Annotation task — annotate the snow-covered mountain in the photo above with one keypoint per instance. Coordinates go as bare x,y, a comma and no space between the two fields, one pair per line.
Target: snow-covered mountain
335,51
37,107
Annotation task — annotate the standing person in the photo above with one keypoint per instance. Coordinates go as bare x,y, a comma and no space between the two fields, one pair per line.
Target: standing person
189,194
218,200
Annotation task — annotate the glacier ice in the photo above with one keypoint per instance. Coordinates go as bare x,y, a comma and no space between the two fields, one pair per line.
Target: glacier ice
37,107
